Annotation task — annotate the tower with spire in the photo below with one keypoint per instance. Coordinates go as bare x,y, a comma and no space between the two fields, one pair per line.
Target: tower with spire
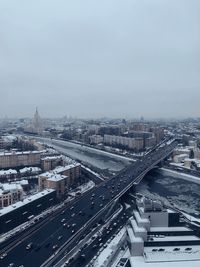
37,122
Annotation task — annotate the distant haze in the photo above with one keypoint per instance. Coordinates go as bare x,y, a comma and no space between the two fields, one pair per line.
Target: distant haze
116,58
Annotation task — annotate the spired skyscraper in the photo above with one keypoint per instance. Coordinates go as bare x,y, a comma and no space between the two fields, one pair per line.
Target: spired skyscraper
36,125
37,122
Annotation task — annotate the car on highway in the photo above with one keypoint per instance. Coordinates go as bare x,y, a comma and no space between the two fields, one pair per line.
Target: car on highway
29,246
3,255
60,237
55,247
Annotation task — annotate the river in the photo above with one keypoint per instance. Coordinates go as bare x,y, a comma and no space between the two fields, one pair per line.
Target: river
180,190
91,157
170,187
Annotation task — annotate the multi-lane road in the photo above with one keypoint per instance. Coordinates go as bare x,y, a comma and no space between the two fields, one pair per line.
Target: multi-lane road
52,239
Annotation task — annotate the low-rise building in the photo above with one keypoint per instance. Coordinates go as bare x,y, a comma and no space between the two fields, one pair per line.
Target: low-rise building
17,159
72,171
28,171
96,139
6,175
196,153
180,158
61,178
193,143
50,163
54,181
6,141
59,183
10,193
182,150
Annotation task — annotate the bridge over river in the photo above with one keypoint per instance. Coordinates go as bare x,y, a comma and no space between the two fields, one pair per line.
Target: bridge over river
80,216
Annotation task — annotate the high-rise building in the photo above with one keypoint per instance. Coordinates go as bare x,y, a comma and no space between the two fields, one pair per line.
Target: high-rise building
36,125
37,122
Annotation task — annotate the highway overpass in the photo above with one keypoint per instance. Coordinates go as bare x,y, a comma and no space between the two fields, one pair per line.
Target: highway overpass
63,231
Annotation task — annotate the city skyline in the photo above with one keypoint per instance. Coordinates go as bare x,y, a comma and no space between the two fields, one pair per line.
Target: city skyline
91,60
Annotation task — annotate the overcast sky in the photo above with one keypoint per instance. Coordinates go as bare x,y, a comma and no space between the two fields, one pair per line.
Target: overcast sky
117,58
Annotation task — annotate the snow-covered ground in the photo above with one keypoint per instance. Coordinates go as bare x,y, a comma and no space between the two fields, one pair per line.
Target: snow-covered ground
107,254
94,173
184,176
175,189
82,188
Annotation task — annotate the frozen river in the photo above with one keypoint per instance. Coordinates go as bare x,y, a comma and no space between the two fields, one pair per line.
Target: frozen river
171,187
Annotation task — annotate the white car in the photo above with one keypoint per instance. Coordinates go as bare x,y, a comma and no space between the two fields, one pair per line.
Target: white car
3,255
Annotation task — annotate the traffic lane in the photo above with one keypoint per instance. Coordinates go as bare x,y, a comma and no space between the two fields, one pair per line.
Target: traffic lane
23,256
40,237
141,167
79,238
99,241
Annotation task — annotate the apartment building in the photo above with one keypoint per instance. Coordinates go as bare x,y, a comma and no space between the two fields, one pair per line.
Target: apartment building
128,142
10,193
60,179
17,159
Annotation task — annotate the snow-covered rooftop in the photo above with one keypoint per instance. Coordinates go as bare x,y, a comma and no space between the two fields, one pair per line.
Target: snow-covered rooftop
6,172
56,177
30,169
19,153
9,187
53,176
52,158
65,168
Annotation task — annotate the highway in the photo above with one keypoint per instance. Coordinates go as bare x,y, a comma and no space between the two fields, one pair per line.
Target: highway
53,237
98,240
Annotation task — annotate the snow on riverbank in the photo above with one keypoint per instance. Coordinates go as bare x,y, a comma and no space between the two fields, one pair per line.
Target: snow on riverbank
183,176
94,173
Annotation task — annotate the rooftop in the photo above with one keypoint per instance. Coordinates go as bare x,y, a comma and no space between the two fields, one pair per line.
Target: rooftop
7,172
19,153
9,187
65,168
56,177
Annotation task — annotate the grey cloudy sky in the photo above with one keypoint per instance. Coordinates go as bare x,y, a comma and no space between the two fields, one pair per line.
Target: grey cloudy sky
87,58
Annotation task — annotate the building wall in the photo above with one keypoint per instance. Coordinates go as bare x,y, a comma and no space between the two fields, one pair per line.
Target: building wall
73,174
10,197
12,160
196,153
96,139
5,143
60,186
156,218
42,182
131,143
48,164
